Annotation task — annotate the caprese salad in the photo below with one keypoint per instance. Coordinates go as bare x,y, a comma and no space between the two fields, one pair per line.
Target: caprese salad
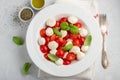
65,40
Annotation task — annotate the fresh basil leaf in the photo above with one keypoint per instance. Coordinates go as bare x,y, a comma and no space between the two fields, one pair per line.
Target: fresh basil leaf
67,47
25,68
88,40
64,26
74,29
53,57
56,31
17,40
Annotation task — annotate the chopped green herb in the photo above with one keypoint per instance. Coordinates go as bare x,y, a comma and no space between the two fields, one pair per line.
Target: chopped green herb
67,47
74,29
53,57
56,31
64,26
88,40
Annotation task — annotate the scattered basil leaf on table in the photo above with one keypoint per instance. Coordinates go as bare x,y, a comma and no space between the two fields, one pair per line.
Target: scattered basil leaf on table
67,47
53,57
25,68
88,40
17,40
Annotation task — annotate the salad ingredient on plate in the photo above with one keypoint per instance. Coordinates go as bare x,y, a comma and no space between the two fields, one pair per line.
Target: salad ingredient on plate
64,41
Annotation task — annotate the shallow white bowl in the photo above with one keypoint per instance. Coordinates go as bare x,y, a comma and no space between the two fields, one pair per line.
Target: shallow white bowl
33,33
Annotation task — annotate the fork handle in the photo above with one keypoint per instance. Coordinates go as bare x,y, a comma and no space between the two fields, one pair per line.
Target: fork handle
105,61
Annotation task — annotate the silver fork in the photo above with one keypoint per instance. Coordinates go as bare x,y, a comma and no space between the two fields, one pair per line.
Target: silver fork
103,25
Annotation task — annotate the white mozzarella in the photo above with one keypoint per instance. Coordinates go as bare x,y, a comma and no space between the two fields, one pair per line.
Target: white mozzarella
84,48
52,45
49,32
59,61
83,32
64,33
41,41
72,19
80,55
51,22
75,49
69,41
53,51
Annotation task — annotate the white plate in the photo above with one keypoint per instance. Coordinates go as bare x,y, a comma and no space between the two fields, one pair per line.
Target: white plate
49,67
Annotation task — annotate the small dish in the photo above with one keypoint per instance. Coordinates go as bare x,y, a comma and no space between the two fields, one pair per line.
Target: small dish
25,14
39,5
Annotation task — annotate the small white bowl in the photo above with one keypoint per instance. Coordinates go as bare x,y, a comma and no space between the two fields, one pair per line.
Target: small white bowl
35,7
21,11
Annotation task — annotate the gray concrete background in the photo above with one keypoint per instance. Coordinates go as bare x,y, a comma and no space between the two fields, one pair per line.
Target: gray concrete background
13,57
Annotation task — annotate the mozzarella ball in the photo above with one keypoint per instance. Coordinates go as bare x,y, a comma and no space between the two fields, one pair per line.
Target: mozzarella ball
66,53
53,51
52,45
49,32
41,41
51,22
83,32
84,48
72,19
69,41
59,61
75,49
64,33
80,55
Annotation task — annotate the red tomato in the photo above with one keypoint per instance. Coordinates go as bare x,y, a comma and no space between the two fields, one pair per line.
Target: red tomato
76,42
66,62
81,40
47,40
61,41
60,53
74,36
64,19
78,24
44,49
71,56
46,56
53,37
66,37
42,32
57,24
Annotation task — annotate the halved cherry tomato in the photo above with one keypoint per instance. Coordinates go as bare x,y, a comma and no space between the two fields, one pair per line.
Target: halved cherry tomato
66,37
64,19
61,41
42,32
81,40
66,62
44,49
53,37
76,42
46,56
60,53
47,40
78,24
74,36
70,56
57,24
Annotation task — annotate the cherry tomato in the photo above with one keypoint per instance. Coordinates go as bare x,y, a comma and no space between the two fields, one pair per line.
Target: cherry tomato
74,36
46,56
53,37
76,42
42,32
44,49
57,24
66,37
64,19
71,56
81,40
60,53
61,41
66,62
78,24
47,40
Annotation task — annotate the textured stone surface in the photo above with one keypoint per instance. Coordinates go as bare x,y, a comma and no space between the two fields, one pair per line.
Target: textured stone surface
13,57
